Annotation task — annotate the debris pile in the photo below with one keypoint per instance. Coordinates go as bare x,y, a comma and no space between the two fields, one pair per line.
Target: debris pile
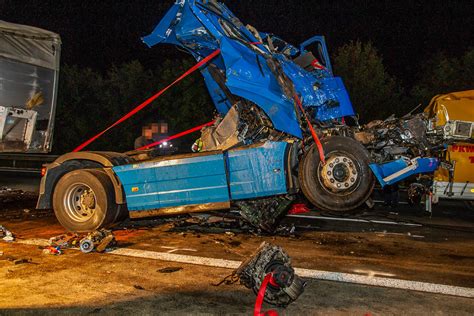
99,241
229,223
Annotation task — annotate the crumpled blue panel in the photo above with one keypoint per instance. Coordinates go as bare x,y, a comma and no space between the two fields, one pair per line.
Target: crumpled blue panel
382,171
257,171
200,32
163,32
254,81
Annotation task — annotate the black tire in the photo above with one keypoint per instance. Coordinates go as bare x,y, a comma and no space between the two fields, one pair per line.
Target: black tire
316,188
94,185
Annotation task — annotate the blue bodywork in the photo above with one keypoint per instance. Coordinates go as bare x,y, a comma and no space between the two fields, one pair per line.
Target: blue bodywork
256,67
216,177
387,173
203,26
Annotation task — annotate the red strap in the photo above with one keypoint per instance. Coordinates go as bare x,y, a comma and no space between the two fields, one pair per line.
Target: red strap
260,296
313,132
147,102
189,131
317,65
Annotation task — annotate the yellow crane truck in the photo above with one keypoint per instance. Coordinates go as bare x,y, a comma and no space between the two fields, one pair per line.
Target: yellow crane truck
454,114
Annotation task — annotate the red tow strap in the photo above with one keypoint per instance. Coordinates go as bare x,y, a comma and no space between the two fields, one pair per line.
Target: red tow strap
189,131
313,132
261,295
147,102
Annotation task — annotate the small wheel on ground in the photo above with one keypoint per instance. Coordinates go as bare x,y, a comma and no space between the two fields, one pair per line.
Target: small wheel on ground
84,201
344,183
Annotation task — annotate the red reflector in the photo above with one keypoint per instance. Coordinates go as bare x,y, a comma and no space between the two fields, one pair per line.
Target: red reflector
298,209
43,171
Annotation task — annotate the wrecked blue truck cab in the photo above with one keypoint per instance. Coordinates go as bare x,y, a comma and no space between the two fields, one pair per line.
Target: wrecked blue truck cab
245,66
280,133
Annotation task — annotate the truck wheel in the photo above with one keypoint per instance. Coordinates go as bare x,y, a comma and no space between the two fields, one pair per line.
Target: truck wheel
344,182
84,201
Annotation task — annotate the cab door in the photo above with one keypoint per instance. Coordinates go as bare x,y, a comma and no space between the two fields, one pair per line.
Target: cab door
316,46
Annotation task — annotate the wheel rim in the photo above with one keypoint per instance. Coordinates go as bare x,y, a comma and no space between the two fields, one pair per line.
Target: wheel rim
80,202
340,174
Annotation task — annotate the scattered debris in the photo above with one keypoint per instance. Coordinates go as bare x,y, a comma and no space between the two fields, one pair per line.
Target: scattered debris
170,269
138,287
265,213
6,235
51,250
22,261
98,240
64,241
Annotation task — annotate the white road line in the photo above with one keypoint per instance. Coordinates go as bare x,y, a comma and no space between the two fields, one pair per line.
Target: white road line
305,273
357,220
165,256
174,249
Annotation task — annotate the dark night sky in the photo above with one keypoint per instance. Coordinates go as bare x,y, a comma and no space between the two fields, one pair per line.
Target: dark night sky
103,32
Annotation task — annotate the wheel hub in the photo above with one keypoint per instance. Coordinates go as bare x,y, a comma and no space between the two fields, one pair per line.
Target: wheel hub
339,173
80,202
87,200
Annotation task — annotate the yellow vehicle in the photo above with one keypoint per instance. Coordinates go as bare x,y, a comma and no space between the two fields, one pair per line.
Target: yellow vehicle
453,115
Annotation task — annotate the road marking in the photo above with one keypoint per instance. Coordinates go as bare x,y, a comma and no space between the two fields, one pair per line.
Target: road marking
305,273
371,273
174,249
356,220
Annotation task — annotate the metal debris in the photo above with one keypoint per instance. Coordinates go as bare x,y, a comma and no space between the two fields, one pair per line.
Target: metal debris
22,261
50,250
265,213
99,241
69,240
6,235
170,269
284,287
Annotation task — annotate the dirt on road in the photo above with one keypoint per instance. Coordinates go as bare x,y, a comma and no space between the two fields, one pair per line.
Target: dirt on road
104,283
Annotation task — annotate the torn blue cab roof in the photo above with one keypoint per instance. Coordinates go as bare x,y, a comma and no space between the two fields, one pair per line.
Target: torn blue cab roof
243,67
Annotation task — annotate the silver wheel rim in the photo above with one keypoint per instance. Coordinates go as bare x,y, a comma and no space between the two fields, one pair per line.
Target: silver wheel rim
80,202
340,174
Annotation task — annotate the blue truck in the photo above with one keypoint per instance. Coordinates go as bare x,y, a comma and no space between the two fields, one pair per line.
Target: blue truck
280,135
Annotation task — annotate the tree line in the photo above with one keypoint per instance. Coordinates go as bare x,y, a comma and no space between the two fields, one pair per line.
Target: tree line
90,100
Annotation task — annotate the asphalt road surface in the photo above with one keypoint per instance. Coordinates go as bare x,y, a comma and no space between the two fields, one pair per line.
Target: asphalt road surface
389,244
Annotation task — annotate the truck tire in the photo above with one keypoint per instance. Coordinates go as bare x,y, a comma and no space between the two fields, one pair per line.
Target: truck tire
84,201
344,182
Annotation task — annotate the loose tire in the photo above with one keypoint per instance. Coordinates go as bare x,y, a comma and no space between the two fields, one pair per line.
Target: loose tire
344,183
84,201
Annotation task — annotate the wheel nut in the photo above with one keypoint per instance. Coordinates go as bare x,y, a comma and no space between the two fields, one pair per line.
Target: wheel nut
353,180
332,180
345,160
347,185
329,173
338,185
337,160
331,165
